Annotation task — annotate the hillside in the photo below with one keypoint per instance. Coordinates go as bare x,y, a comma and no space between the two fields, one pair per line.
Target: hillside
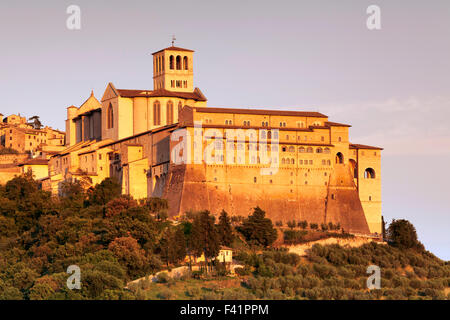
326,272
114,240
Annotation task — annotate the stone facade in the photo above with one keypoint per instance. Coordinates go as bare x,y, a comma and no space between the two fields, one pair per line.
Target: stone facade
293,164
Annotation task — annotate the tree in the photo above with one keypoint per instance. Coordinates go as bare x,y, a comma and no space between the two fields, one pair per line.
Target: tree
224,229
35,122
130,255
205,239
291,224
105,191
402,234
173,245
259,230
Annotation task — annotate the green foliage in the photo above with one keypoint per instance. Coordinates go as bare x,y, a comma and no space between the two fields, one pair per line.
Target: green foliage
402,234
225,229
313,226
294,236
205,238
258,230
104,192
302,224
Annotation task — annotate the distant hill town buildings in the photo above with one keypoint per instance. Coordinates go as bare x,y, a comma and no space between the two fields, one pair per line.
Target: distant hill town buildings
23,146
168,143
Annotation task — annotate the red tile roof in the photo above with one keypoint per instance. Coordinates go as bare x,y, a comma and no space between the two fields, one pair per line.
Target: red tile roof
173,49
261,112
363,146
195,95
34,162
336,124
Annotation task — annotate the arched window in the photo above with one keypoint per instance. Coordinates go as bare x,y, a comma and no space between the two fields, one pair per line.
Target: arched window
110,117
269,134
301,150
169,112
292,161
309,150
263,134
156,113
275,135
319,150
369,173
291,149
283,161
171,62
339,158
178,63
185,63
327,150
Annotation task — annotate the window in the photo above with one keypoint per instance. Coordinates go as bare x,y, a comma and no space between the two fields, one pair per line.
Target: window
287,137
156,113
171,62
326,150
310,162
283,148
319,150
169,112
339,158
339,139
301,150
185,63
309,150
292,161
254,179
369,173
322,138
178,63
300,124
291,149
110,117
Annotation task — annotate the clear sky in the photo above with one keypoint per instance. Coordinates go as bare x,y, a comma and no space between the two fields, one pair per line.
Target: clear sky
392,85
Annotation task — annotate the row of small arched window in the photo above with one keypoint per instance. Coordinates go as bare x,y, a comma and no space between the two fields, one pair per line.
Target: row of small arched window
307,150
177,63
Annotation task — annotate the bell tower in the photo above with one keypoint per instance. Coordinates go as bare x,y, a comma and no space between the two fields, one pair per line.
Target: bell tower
173,69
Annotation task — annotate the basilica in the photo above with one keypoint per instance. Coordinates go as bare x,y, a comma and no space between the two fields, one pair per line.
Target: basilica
295,165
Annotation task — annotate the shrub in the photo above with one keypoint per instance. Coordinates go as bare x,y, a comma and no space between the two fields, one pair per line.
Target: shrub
163,277
302,224
294,236
314,226
165,294
402,234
